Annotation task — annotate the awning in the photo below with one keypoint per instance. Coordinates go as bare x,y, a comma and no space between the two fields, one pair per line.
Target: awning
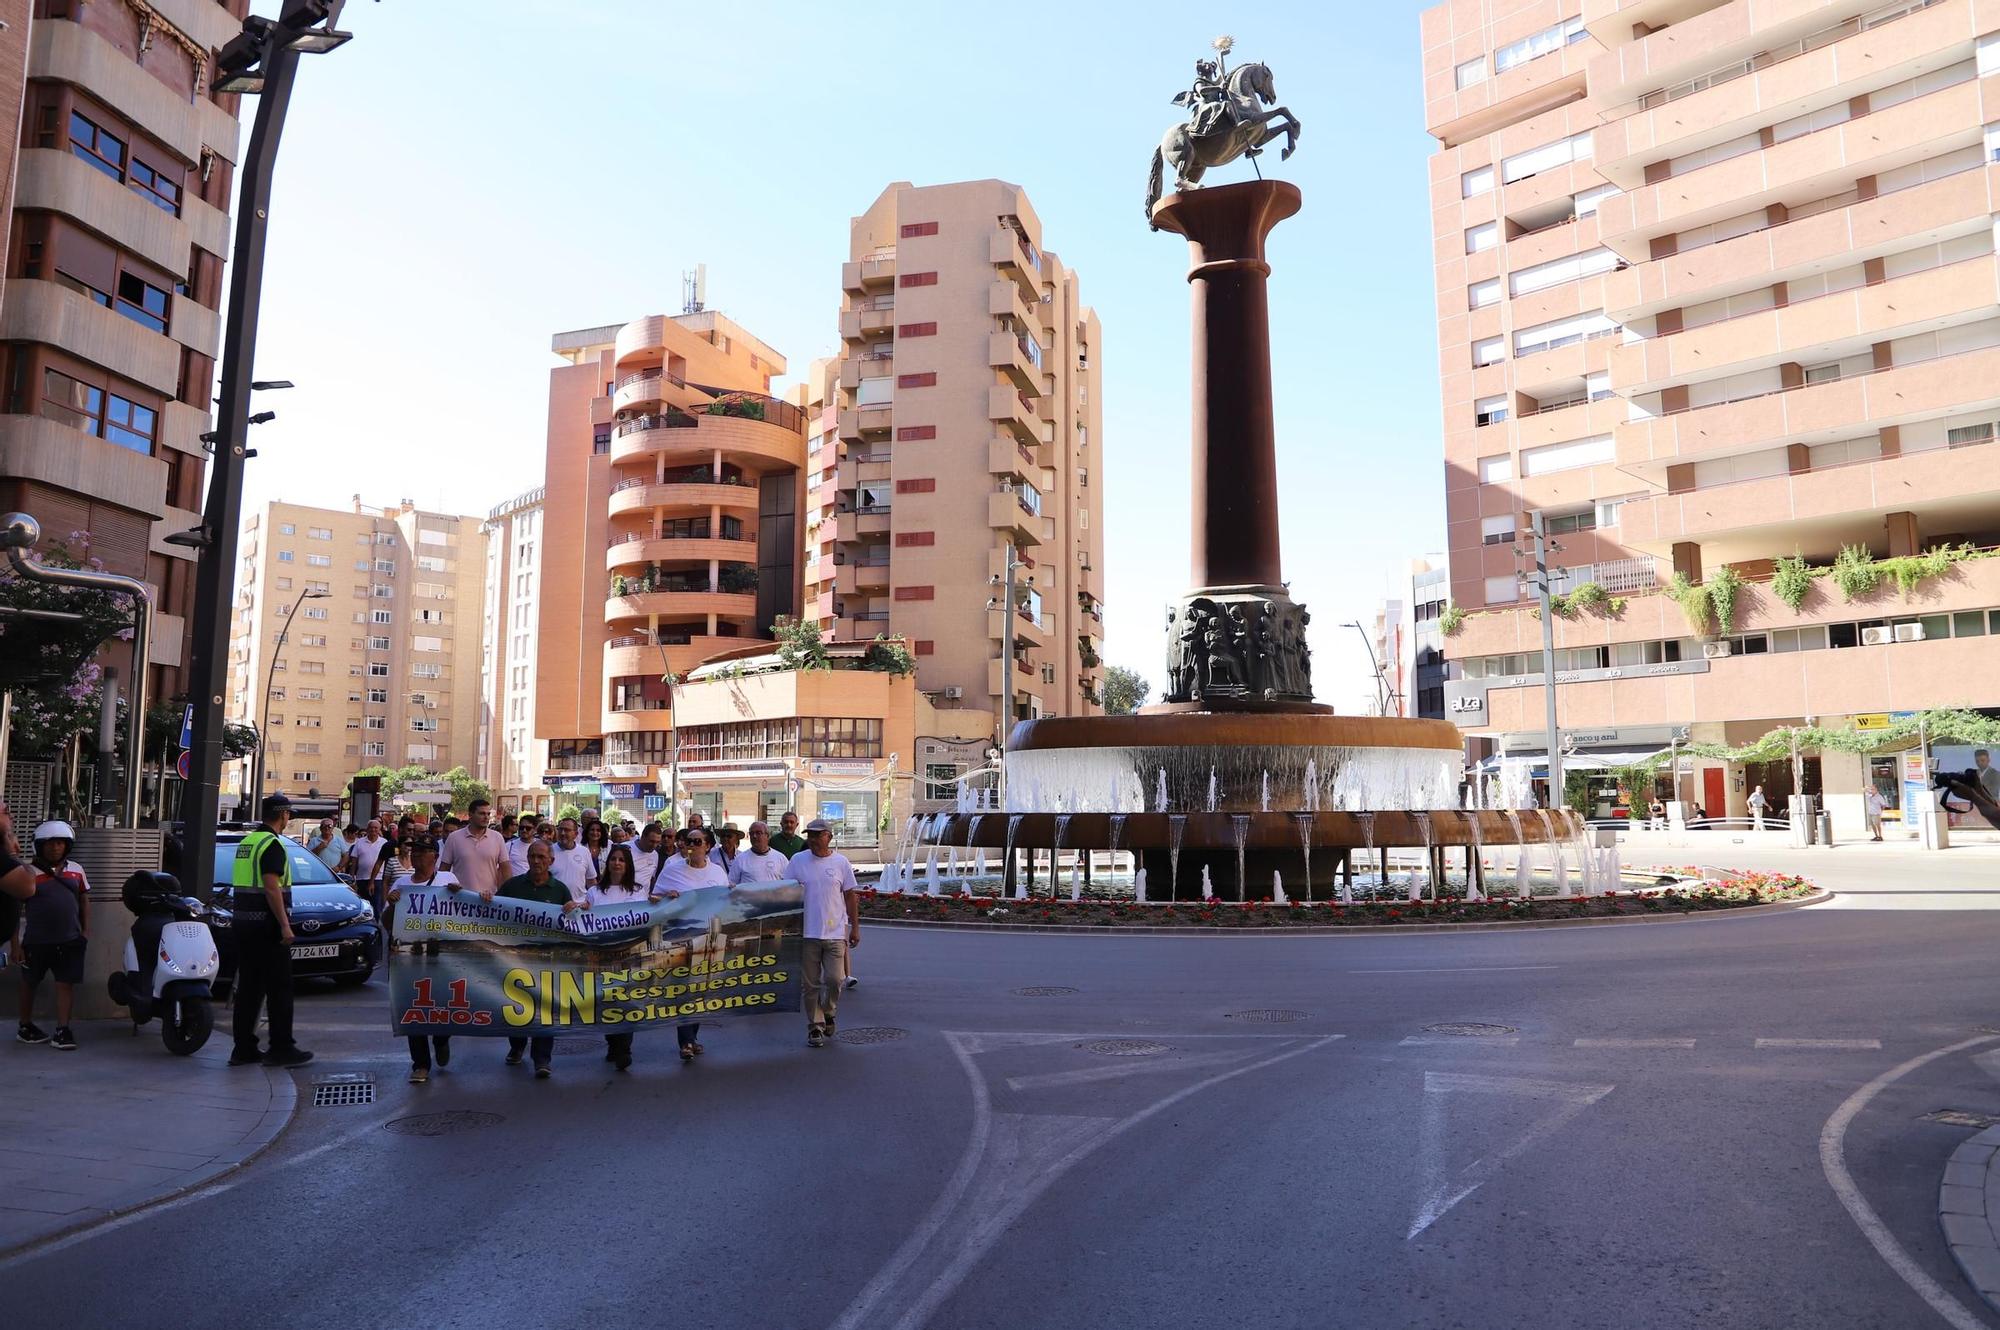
1587,759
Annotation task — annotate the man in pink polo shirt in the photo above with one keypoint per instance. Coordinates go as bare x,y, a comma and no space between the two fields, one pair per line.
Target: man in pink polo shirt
475,854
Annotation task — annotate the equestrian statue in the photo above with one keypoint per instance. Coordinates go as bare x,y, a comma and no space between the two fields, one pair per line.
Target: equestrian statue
1226,120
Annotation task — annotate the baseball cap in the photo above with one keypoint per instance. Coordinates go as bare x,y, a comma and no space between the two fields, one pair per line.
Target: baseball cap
273,805
818,824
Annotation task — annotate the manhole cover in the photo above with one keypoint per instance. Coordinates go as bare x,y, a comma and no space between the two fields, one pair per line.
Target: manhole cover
872,1034
1469,1029
1268,1015
345,1088
1958,1117
444,1124
580,1044
1053,990
1124,1048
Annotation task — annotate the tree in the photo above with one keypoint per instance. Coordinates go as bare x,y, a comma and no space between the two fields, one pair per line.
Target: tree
889,655
464,788
1125,691
800,646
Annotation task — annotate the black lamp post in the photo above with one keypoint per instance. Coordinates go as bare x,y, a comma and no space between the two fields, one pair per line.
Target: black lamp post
256,791
262,59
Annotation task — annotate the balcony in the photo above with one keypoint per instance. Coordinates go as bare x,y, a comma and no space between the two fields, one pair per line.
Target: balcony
744,425
1006,407
858,424
1010,355
874,272
1007,512
644,605
1010,252
858,325
862,579
1003,300
863,468
1027,628
640,654
866,365
1827,328
1007,456
641,494
726,549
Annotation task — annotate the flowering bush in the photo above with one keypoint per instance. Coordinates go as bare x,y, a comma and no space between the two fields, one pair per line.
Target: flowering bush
48,662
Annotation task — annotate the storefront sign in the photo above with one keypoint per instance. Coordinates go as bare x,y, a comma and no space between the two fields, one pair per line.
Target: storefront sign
1466,700
861,767
627,789
1916,786
833,810
1881,720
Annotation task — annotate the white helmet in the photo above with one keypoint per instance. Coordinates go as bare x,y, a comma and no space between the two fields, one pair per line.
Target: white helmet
54,831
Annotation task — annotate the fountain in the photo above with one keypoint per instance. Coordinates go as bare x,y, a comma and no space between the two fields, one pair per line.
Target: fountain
1474,867
1264,773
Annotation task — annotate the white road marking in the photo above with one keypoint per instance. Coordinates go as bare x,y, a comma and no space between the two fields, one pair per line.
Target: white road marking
1458,1041
1459,969
1819,1043
1129,1067
1442,1193
1833,1162
1634,1043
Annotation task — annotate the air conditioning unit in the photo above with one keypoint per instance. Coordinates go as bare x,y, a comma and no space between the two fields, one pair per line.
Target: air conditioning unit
954,692
1877,637
1909,632
1714,650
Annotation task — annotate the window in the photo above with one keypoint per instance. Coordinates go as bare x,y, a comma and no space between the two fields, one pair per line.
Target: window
426,671
315,611
1475,182
424,724
941,780
430,563
1503,590
379,696
386,566
142,302
378,644
375,748
1470,73
1563,332
284,556
1545,157
383,591
1541,43
156,187
1483,236
382,616
1559,524
378,669
305,777
1496,530
311,640
1488,351
823,736
1827,373
1497,469
878,391
312,667
319,533
319,560
1555,272
96,145
1489,410
129,424
1480,294
376,723
72,402
1593,451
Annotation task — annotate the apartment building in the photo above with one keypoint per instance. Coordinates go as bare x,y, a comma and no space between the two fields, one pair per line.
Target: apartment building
670,532
962,421
511,758
380,665
1716,286
118,187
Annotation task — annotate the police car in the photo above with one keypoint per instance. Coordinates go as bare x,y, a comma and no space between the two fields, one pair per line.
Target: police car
334,934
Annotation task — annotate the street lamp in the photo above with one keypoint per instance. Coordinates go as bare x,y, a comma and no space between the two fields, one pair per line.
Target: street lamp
263,58
1007,602
1384,692
256,792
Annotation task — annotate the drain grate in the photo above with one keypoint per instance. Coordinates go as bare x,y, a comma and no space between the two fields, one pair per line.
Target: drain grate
1124,1048
337,1091
1052,990
1267,1015
445,1123
1959,1117
872,1034
1468,1029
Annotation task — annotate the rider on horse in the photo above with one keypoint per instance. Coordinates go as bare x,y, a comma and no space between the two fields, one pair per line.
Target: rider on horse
1207,100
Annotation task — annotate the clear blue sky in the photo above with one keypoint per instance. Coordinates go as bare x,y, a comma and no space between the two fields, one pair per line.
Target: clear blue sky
452,189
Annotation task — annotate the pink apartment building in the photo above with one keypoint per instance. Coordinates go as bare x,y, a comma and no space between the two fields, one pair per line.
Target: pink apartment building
1716,285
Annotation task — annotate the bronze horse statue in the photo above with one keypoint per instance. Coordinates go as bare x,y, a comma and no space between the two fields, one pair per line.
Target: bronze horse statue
1242,128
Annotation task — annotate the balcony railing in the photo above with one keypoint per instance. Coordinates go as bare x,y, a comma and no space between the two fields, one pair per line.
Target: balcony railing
699,475
664,420
1800,387
651,640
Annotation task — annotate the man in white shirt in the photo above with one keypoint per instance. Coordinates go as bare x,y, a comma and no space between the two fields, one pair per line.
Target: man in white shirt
832,926
474,854
327,844
759,863
572,864
366,859
646,855
517,845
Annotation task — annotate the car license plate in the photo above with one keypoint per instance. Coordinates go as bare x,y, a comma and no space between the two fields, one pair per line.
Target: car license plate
323,951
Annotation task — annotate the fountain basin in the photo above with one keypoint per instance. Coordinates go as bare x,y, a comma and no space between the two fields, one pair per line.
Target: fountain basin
1269,831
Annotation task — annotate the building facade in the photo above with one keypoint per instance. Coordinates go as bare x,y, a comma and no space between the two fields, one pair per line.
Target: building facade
1716,286
118,181
511,759
380,665
671,531
963,420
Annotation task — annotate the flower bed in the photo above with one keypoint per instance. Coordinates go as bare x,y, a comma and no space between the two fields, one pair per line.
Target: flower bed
1696,895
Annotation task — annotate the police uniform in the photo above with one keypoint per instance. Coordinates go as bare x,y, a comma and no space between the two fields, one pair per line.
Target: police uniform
263,956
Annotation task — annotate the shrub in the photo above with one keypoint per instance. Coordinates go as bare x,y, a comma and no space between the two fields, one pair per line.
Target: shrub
1855,572
1724,588
1451,620
1791,581
1694,604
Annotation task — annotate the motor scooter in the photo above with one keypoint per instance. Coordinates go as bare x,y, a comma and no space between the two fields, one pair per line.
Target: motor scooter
180,962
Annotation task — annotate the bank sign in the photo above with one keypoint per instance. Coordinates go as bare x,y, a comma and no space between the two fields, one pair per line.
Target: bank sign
1465,699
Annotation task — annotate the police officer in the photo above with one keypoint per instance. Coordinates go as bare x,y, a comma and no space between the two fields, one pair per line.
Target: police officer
261,882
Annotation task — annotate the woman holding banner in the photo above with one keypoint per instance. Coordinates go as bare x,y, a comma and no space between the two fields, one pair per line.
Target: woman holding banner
424,872
617,884
597,842
697,872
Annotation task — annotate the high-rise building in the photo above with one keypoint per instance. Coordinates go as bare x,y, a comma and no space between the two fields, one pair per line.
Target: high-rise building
1408,644
963,421
380,665
511,759
1716,287
119,170
670,532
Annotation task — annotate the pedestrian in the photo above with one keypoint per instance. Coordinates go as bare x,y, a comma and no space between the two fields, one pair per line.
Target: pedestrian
760,862
695,819
54,933
1874,805
731,837
1758,803
697,872
261,897
1656,814
369,864
574,866
17,884
424,872
517,846
594,838
621,832
618,884
647,854
832,927
788,842
537,884
474,854
328,845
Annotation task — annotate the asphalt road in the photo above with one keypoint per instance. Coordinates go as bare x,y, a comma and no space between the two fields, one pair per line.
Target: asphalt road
1136,1154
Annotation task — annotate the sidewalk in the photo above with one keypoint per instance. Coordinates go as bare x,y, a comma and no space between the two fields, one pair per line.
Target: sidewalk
120,1123
1969,1212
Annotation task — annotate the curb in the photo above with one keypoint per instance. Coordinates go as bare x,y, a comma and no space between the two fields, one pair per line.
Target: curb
270,1126
1312,930
1968,1209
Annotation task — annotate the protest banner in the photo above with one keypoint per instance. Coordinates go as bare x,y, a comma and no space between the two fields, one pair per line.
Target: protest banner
518,967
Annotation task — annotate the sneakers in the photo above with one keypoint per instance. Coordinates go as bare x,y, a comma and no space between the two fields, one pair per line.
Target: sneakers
816,1037
853,981
829,1027
292,1057
30,1033
419,1075
542,1072
241,1059
64,1040
513,1057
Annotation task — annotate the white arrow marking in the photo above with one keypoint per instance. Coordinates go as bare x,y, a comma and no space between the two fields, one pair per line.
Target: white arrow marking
1441,1192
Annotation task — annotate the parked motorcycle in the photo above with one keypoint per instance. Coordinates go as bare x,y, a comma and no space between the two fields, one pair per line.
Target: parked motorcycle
170,962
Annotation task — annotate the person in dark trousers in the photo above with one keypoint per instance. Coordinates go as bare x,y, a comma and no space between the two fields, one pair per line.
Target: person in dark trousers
56,933
261,889
424,872
537,884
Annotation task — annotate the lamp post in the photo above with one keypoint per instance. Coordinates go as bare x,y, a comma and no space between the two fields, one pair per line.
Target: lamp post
1539,549
1008,604
263,59
256,793
1384,692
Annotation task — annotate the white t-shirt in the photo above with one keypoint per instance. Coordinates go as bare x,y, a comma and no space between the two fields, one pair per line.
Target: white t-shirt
407,882
644,864
750,866
826,882
710,874
572,869
366,854
615,895
517,854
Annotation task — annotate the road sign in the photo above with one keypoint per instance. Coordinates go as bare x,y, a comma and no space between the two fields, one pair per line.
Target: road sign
182,763
187,730
656,803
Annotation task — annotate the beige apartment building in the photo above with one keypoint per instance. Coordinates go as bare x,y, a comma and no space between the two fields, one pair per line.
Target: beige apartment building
381,662
118,172
1716,286
962,420
511,759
